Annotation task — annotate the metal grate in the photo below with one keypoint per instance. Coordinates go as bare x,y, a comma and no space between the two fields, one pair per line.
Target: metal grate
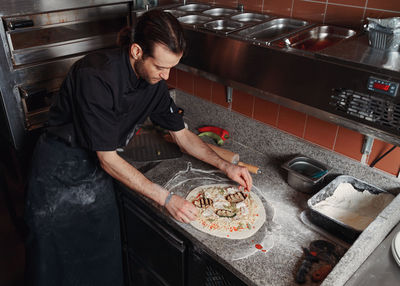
214,278
370,108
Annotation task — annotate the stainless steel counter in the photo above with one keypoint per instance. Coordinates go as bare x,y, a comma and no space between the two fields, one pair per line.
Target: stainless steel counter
380,268
357,51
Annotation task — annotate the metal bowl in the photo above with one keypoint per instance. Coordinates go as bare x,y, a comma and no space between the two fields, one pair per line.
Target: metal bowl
194,19
194,7
250,17
223,26
217,12
305,173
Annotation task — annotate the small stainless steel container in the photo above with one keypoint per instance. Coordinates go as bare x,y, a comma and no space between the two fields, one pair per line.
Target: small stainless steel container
194,7
218,12
269,31
304,173
223,26
316,38
250,17
194,20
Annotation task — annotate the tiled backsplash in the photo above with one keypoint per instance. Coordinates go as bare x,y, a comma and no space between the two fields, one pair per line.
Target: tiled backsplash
325,134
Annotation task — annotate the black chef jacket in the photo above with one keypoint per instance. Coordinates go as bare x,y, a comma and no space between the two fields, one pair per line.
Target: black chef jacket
102,100
71,210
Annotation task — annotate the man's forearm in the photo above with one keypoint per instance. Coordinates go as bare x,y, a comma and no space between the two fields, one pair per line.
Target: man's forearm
122,171
194,146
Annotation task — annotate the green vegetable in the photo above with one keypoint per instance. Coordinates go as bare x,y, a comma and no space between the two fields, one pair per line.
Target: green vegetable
214,136
225,213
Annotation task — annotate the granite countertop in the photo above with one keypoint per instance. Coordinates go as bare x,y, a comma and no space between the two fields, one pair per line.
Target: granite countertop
284,233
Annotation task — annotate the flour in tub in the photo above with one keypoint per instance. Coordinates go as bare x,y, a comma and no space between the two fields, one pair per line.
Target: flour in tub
353,208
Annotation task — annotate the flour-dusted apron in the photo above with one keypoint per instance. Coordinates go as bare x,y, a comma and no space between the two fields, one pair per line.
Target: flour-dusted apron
72,215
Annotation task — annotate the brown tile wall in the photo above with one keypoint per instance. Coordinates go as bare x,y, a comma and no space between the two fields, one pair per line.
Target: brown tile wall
325,134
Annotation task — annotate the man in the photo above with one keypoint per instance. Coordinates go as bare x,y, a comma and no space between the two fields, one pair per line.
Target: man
71,210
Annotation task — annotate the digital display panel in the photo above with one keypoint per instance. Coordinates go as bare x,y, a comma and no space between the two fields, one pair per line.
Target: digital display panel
381,86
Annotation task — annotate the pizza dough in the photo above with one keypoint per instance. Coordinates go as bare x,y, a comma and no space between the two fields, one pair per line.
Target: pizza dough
225,213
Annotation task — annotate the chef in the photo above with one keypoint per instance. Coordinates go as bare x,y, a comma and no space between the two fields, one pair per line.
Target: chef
71,210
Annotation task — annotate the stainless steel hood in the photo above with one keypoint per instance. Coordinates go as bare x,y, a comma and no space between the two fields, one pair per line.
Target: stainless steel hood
335,85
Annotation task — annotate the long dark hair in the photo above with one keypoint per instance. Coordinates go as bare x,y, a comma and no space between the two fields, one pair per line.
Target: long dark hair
154,26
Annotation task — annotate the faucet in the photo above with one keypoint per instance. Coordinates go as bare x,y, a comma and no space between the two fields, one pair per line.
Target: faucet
240,7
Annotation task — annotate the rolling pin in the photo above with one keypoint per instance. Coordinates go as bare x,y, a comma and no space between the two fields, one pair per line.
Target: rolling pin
226,155
233,158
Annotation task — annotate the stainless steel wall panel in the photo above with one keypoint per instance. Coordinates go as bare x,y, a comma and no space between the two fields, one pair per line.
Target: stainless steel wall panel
40,42
21,7
299,81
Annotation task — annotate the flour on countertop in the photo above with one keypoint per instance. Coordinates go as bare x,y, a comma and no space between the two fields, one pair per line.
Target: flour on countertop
353,208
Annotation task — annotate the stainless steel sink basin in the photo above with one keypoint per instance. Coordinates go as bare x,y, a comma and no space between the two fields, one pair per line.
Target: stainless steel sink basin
223,26
194,7
317,38
269,31
250,17
175,13
194,19
220,12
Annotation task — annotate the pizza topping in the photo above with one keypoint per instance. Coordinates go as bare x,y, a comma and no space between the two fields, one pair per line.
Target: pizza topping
231,190
240,205
225,213
225,209
203,202
208,212
244,211
236,197
221,204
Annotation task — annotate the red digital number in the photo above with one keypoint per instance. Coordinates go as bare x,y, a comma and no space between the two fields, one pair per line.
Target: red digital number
381,86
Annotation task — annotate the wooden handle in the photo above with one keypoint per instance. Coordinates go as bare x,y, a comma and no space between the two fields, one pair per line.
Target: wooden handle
223,153
251,168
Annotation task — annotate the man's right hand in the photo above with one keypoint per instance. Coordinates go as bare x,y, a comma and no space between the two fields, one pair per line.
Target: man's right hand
181,209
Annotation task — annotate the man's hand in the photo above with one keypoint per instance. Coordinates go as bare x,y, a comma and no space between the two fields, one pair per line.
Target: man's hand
194,146
181,209
240,174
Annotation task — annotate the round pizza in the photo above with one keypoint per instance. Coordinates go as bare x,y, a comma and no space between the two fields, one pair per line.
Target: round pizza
227,211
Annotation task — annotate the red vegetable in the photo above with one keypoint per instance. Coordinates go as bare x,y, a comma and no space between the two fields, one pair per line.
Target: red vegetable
224,134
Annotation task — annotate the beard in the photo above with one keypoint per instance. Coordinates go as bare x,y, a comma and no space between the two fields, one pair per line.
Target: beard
142,73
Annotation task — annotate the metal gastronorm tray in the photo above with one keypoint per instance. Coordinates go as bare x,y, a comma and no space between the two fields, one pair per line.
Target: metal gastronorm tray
271,30
337,228
317,38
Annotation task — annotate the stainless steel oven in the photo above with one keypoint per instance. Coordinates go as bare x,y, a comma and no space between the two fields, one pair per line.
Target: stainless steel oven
40,41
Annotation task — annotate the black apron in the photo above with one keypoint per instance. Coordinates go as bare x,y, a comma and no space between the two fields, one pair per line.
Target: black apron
72,215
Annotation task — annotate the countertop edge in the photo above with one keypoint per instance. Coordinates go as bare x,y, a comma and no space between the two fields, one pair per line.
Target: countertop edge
366,243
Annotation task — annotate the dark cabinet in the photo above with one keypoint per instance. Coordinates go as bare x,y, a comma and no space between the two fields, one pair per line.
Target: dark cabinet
157,251
157,255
